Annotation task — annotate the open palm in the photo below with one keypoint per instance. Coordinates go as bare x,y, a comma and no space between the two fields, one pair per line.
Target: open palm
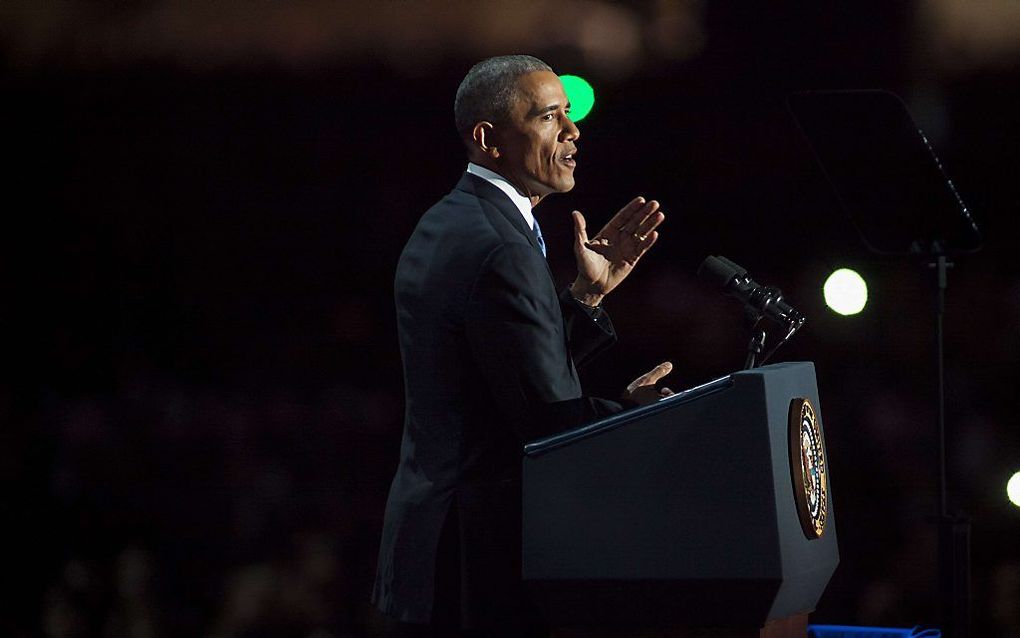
606,259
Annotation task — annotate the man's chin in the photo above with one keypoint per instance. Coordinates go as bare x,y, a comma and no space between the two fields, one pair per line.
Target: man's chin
565,185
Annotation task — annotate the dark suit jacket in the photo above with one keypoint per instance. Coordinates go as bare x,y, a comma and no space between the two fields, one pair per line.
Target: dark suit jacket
489,352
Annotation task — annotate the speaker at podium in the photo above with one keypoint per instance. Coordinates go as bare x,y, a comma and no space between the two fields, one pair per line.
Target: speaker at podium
710,509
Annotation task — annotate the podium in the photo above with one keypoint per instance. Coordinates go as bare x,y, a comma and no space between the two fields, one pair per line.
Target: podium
687,513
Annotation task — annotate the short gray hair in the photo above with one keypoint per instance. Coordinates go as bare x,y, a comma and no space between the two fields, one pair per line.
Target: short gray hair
487,91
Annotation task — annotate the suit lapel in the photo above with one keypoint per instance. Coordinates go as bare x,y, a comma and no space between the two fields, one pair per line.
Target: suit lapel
482,189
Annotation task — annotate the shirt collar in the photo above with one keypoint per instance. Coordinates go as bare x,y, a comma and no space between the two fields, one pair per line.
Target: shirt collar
522,203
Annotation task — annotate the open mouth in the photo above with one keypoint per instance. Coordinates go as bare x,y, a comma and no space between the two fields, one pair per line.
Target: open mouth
569,160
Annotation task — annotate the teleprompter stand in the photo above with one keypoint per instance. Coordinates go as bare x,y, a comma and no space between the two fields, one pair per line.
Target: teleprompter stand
890,183
680,518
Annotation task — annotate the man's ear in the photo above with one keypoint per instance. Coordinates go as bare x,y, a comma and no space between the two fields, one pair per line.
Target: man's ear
483,137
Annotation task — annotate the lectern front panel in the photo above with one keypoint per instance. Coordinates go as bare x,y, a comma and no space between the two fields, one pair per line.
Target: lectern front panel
686,505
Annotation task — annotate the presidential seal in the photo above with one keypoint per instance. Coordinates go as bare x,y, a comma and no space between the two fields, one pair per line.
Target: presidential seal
808,468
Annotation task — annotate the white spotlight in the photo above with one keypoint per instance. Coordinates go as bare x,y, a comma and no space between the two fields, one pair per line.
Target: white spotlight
1013,489
845,292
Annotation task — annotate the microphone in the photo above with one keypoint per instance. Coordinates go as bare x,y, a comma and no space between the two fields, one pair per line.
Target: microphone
762,301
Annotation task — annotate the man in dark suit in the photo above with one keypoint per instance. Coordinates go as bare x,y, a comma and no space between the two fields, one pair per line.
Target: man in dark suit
490,352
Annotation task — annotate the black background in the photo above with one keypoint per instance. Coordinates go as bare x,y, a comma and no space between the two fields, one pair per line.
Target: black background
202,398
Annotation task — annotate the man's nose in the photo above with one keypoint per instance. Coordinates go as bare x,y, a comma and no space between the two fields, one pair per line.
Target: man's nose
570,130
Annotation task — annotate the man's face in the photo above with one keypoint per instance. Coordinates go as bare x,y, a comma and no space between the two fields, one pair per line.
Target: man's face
536,146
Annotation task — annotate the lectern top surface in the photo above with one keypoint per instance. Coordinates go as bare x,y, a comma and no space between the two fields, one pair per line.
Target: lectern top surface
549,443
616,420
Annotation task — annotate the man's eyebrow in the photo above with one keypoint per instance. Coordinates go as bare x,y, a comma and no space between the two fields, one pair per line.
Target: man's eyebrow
548,109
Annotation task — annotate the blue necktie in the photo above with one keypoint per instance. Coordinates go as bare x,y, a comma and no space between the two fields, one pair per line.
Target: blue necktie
538,235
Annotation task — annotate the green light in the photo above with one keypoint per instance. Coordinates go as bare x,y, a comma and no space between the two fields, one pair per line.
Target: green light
580,94
1013,489
845,292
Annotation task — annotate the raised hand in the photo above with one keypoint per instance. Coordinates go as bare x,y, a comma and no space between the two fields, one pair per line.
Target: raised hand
606,259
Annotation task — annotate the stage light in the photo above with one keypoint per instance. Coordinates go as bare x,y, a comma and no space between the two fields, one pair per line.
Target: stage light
845,292
1013,489
580,94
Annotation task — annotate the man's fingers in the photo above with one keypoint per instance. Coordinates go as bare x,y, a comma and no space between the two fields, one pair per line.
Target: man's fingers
637,383
658,372
647,242
638,217
621,218
580,228
643,246
650,223
651,377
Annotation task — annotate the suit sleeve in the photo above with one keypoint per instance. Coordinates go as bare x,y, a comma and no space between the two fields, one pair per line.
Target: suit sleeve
517,336
589,331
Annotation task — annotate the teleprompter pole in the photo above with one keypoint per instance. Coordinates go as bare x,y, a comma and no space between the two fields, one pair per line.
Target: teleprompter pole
953,530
